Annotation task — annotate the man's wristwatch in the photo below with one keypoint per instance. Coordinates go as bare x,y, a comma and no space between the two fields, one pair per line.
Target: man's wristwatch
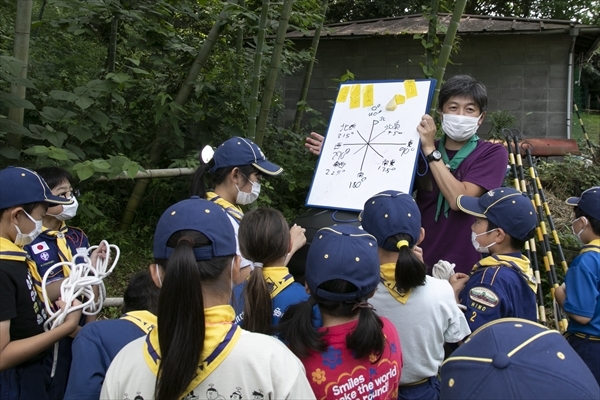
434,156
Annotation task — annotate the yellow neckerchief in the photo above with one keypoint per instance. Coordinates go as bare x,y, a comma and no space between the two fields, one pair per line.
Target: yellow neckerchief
594,245
231,209
522,265
10,251
64,253
220,338
143,319
277,278
388,278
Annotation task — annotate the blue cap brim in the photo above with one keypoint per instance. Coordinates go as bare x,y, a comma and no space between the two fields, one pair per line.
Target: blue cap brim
572,201
268,168
470,205
52,199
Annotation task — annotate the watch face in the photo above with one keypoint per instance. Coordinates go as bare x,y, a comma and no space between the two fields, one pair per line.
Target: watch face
437,155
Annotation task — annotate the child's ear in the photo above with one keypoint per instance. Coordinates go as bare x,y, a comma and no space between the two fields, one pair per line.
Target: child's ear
155,270
500,235
307,289
421,236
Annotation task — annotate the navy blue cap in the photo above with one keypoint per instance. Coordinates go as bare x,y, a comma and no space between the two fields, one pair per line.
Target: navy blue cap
196,214
238,151
389,213
514,358
20,186
589,202
506,207
342,252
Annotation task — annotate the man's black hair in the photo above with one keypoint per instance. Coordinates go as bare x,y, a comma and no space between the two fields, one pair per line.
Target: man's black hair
464,86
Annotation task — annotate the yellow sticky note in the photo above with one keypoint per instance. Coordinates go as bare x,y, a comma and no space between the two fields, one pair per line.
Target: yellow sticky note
410,87
391,106
343,94
355,96
368,96
400,99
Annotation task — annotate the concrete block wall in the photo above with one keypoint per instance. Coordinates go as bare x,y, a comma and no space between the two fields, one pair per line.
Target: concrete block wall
524,74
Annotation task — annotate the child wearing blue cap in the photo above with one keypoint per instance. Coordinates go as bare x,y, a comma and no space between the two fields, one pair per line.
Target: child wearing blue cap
405,293
580,294
196,347
25,359
502,284
355,354
235,170
261,301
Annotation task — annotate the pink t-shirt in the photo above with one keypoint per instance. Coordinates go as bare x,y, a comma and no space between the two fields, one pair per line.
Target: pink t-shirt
450,238
336,374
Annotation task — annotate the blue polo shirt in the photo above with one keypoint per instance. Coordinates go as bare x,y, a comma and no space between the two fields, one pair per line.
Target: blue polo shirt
583,292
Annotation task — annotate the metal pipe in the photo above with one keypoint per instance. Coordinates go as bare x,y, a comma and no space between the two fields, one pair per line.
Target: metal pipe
573,32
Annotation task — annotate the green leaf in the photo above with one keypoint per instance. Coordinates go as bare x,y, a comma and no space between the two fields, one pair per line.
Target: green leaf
119,98
76,151
58,154
84,102
36,151
14,101
82,133
101,165
139,71
16,80
133,60
131,168
12,65
9,152
56,114
101,85
99,117
62,95
56,138
118,77
84,170
8,126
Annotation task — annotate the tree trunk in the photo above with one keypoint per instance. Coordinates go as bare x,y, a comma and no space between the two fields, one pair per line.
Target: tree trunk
182,96
431,34
271,79
264,13
440,68
21,52
309,68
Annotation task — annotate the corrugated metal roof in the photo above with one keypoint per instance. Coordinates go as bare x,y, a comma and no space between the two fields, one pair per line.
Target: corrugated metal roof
469,24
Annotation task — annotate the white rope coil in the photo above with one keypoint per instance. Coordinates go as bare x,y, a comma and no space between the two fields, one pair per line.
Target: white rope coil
443,270
80,282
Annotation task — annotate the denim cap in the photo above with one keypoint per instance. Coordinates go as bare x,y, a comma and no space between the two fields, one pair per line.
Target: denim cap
506,207
342,252
20,186
514,358
589,202
389,213
196,214
238,151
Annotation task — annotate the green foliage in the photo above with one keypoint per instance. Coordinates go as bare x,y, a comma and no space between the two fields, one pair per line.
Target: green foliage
500,120
570,177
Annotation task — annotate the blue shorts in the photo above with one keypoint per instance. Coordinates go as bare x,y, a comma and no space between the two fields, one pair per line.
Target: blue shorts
588,349
428,390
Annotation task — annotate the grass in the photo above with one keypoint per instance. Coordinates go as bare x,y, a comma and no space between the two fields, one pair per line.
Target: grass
591,123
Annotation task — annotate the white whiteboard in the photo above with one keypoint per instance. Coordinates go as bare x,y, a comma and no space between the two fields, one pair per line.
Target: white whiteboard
371,144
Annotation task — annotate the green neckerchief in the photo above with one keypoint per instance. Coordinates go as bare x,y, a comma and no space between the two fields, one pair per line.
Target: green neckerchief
453,166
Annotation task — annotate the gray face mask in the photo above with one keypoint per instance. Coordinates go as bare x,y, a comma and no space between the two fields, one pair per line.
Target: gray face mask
244,198
24,239
69,211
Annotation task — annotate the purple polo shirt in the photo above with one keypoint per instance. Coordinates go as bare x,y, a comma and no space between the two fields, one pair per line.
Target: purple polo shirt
450,238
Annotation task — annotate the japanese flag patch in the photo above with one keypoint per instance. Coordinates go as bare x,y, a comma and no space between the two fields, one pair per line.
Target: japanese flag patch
39,247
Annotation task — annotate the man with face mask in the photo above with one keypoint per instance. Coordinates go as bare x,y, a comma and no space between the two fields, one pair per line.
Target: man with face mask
458,164
25,358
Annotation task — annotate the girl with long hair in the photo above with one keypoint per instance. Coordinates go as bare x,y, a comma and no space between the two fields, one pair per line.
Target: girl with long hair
262,300
196,348
422,308
355,354
234,172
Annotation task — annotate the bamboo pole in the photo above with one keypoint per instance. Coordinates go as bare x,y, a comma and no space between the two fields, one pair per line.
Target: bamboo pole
309,68
440,68
21,52
260,41
271,79
182,96
151,173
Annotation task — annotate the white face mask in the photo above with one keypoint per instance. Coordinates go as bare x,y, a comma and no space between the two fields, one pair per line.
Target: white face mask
244,198
460,127
69,211
478,247
578,234
24,239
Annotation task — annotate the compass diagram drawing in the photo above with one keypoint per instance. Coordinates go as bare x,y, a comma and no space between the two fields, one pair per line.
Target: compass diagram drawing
371,143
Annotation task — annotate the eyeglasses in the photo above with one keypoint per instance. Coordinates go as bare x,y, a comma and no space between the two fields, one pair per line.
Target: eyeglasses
69,194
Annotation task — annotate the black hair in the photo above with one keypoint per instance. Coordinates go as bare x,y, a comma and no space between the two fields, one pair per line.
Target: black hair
54,176
198,186
594,223
263,237
181,329
141,294
463,86
410,271
29,207
515,243
297,331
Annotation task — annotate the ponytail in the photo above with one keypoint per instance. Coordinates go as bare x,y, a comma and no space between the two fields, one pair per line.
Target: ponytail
410,271
198,186
264,237
181,330
297,331
367,338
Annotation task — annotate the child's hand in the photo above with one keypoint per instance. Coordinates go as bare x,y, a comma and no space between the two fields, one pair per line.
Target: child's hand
314,143
99,253
418,252
458,282
72,320
297,237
